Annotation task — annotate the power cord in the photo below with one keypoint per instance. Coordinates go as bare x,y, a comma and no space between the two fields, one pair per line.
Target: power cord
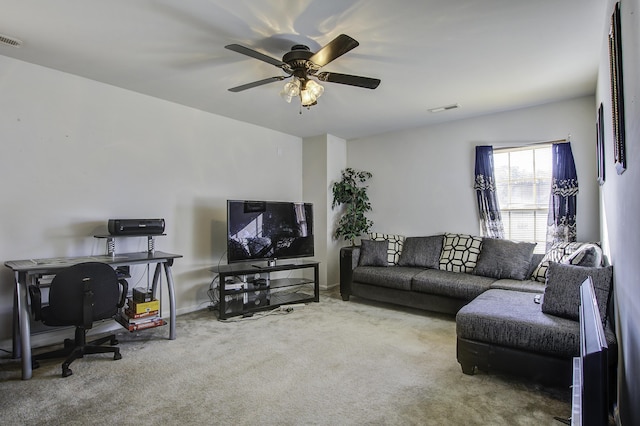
214,288
214,293
281,310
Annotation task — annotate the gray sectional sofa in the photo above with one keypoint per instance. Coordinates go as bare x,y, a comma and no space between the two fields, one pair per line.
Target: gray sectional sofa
516,312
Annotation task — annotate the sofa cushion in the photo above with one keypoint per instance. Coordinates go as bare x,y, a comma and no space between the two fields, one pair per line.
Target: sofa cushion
561,253
529,286
373,253
398,277
459,252
514,319
452,284
421,251
562,295
504,259
395,243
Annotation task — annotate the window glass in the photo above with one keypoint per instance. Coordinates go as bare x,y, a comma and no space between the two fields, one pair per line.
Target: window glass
523,183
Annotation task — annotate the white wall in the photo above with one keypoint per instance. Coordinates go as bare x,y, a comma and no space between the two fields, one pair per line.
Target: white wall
76,153
324,158
314,188
620,207
423,178
336,162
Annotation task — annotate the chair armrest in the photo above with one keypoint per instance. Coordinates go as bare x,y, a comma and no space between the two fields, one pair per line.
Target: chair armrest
36,302
349,257
125,289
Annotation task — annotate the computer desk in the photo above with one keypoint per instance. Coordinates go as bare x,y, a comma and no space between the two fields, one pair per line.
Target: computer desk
27,272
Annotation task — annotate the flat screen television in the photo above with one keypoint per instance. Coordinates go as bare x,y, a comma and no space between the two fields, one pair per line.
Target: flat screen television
594,363
268,230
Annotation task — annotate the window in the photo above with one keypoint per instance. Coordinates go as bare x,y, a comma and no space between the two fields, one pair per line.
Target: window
523,185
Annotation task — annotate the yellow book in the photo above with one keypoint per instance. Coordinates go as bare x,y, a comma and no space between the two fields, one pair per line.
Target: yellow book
142,307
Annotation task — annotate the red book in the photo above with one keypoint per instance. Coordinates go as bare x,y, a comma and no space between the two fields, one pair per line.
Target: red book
141,326
130,314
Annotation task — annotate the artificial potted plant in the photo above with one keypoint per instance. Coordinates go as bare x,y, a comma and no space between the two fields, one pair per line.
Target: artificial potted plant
351,192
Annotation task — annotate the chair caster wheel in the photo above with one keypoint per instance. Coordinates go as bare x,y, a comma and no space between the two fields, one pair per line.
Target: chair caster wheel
66,372
117,356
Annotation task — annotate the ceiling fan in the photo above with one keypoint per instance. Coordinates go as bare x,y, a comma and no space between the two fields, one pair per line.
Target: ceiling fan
301,64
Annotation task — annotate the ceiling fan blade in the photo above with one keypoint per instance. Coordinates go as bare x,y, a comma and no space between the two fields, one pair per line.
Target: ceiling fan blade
351,80
256,83
257,55
334,49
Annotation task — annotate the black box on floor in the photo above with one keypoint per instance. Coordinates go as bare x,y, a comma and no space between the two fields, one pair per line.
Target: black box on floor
141,296
234,299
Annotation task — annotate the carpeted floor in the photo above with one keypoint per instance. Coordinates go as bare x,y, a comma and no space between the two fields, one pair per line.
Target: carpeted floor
329,363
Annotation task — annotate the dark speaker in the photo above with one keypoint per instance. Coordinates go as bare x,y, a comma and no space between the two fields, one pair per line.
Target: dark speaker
136,226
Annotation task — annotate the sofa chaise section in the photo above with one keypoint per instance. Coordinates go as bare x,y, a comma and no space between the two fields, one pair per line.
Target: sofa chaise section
505,330
509,331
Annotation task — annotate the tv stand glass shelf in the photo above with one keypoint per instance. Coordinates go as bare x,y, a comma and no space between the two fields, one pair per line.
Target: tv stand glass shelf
246,288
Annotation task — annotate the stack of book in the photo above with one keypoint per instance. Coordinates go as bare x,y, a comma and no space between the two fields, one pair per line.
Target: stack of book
141,315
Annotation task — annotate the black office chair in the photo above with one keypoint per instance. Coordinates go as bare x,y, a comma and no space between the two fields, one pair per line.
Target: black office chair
78,296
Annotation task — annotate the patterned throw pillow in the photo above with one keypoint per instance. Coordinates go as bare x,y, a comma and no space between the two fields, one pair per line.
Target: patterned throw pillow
589,255
560,253
395,245
460,252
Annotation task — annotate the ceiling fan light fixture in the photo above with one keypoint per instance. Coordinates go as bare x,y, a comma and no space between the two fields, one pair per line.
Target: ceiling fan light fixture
310,93
316,89
307,98
291,90
308,90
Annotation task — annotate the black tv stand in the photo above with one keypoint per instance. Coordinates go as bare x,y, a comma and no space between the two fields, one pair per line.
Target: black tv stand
271,266
238,288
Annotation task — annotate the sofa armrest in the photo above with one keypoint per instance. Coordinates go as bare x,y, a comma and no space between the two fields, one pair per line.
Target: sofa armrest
349,257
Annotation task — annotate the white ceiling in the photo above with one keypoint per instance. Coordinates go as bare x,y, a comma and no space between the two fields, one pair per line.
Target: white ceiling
486,55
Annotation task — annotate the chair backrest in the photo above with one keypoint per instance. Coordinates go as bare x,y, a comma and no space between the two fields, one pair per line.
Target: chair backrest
68,288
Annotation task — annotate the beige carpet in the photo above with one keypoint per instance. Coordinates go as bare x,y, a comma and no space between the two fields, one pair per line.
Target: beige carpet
329,363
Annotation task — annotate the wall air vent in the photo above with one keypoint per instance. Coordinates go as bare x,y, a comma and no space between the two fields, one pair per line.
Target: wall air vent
10,41
444,108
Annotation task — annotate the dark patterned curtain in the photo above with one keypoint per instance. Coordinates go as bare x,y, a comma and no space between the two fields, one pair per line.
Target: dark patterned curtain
485,186
561,223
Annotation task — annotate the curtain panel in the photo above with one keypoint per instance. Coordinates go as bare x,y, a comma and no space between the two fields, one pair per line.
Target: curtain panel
485,187
561,222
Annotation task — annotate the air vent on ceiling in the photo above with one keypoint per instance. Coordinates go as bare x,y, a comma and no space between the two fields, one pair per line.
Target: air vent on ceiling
444,108
10,41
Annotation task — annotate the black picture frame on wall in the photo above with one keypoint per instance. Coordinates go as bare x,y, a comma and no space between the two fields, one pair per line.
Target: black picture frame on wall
617,92
600,144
